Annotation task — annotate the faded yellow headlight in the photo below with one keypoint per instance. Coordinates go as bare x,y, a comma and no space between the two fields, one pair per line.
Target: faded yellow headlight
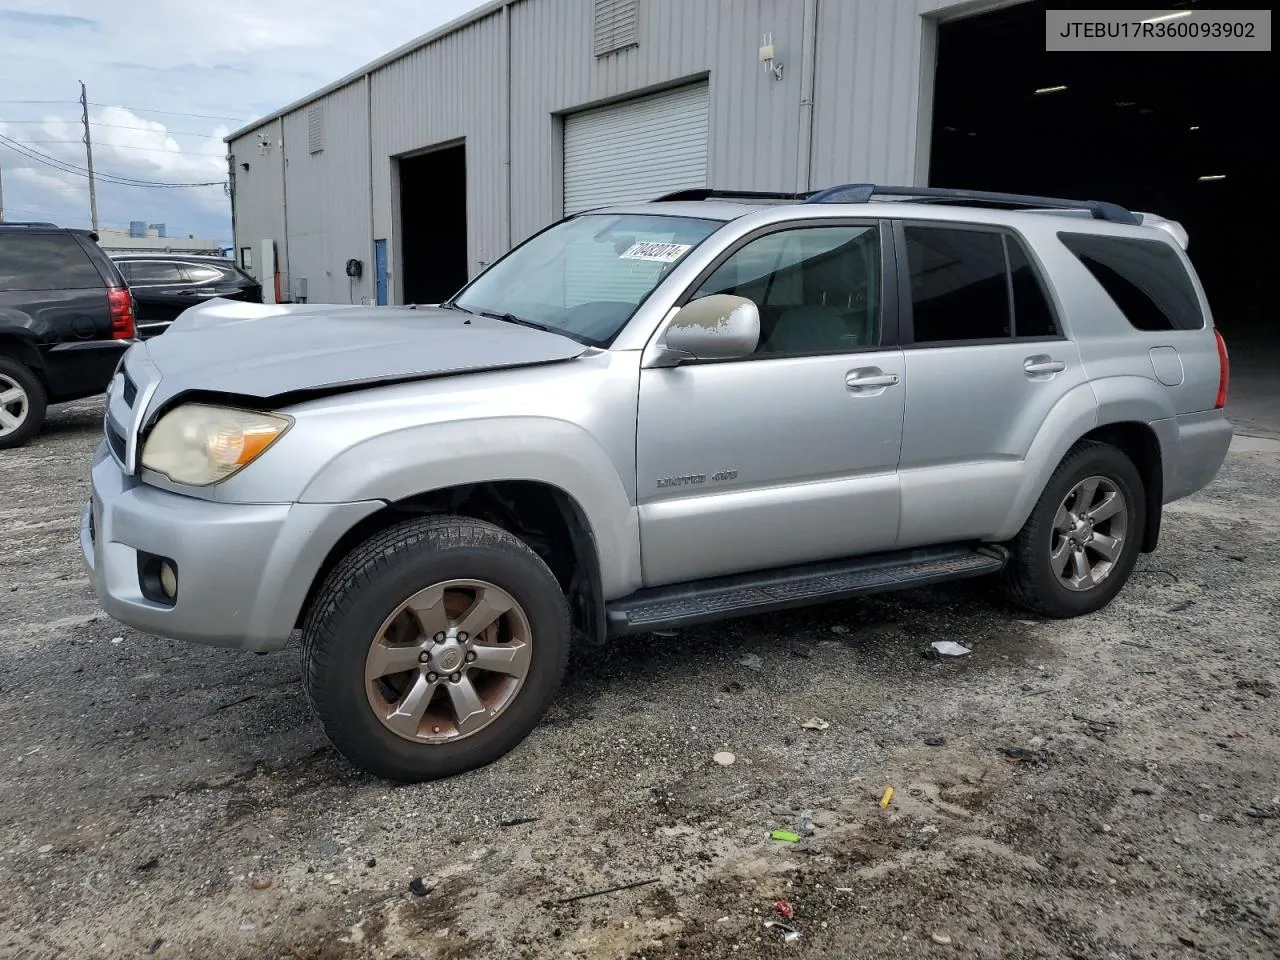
199,445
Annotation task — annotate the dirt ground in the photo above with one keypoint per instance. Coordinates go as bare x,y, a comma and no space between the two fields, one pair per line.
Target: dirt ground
1104,788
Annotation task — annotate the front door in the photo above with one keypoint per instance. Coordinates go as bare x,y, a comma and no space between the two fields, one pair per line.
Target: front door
789,455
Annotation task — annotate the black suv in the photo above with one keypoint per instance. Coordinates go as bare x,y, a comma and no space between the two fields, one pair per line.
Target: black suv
165,284
66,318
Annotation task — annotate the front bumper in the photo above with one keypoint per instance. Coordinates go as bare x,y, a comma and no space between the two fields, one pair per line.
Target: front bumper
244,570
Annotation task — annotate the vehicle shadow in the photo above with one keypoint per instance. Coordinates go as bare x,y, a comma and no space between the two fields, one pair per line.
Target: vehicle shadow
69,419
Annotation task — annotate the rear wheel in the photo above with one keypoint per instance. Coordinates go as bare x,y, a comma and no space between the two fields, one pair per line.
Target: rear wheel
1081,542
22,403
434,648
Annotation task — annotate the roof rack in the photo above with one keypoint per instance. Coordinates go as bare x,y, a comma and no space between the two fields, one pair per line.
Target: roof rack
863,192
26,223
707,194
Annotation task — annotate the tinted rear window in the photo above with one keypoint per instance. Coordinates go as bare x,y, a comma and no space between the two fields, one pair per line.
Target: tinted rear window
152,272
1145,278
44,261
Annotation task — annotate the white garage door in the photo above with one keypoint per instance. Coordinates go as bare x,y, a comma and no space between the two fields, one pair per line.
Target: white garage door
636,150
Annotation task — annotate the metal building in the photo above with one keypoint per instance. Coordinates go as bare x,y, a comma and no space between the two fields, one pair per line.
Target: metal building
397,183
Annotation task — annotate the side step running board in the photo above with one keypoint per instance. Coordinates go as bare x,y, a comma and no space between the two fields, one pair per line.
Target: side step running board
720,598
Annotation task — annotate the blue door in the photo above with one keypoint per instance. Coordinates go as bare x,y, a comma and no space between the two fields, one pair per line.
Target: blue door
380,270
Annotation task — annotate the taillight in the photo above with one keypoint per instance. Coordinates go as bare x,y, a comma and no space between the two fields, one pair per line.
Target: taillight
121,303
1224,370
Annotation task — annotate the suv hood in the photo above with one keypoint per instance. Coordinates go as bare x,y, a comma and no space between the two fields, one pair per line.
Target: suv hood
267,351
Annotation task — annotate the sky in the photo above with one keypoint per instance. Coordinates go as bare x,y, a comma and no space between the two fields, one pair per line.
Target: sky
167,80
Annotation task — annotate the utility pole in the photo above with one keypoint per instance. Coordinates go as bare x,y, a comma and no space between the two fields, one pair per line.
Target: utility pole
88,153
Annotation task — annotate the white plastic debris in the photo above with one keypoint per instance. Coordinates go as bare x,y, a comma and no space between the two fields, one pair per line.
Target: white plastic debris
949,648
752,661
815,723
724,758
789,934
117,639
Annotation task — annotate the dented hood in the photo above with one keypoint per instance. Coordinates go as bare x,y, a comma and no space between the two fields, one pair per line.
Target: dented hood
267,351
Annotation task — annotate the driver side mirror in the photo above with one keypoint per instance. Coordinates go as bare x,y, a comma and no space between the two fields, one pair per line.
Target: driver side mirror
718,327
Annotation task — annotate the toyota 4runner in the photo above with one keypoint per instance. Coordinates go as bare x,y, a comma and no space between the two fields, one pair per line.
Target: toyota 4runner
649,416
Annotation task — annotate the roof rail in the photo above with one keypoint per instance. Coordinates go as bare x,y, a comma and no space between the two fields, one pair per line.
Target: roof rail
863,192
26,223
701,193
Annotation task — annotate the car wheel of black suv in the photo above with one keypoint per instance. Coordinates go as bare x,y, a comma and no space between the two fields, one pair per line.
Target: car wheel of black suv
1081,542
22,403
434,647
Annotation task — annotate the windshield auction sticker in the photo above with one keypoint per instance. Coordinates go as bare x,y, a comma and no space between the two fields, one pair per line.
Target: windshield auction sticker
656,252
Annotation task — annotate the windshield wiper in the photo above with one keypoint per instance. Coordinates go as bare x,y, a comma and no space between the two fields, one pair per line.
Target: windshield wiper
511,318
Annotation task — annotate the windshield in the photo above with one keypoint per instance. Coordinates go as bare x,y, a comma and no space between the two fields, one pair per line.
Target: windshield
585,277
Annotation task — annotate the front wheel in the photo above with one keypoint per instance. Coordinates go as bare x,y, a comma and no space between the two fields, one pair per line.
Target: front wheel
434,648
1081,542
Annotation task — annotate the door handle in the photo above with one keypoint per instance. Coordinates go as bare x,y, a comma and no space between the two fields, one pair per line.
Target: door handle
1042,364
855,381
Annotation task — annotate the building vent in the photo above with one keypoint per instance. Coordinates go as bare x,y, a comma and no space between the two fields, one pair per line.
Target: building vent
315,129
616,25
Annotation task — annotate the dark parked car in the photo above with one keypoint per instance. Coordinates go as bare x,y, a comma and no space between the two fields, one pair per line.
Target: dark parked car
165,284
66,318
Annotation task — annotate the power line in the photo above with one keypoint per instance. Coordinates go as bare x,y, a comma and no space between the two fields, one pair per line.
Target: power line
66,167
171,113
121,126
125,146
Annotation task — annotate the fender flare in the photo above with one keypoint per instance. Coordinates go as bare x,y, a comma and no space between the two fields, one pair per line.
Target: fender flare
418,460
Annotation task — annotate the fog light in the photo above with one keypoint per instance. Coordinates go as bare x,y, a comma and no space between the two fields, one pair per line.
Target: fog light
168,580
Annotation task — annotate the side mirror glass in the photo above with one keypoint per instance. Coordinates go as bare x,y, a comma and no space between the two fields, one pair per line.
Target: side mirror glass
717,327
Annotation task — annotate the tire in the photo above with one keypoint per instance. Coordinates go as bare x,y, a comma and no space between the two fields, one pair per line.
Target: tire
358,627
27,410
1034,581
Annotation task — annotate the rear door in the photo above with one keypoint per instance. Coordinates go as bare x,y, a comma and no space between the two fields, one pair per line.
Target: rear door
986,361
161,291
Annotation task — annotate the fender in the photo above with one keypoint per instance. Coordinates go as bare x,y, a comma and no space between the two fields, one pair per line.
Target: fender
1123,399
419,459
1074,415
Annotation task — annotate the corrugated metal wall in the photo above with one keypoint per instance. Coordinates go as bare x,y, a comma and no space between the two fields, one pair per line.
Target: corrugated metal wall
448,91
328,196
866,77
259,195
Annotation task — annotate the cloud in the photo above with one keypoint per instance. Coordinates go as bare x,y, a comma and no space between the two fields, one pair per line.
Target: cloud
219,66
29,19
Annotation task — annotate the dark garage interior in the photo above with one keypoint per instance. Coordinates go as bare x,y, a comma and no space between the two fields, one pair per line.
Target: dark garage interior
433,224
1178,134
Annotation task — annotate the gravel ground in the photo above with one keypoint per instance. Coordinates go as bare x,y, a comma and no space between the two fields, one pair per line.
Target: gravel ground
1102,788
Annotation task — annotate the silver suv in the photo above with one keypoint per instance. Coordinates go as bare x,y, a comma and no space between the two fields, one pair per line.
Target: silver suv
650,416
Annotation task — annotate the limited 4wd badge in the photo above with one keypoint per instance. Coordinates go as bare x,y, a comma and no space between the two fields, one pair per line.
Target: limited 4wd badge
656,252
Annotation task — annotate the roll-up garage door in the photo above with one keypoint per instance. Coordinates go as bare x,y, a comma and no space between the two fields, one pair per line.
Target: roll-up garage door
636,150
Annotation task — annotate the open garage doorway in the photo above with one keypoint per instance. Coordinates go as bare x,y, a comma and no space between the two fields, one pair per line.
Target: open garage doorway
433,224
1177,134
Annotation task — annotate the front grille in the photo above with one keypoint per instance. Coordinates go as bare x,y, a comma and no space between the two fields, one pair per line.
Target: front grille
115,440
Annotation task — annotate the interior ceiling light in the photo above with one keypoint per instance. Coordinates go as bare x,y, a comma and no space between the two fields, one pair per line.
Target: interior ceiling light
1213,176
1124,103
1168,16
1193,128
1057,89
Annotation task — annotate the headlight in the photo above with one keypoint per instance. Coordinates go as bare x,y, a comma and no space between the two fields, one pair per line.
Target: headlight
199,445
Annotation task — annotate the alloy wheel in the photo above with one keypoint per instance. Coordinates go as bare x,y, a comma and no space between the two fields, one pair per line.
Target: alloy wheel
1089,532
14,405
448,661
